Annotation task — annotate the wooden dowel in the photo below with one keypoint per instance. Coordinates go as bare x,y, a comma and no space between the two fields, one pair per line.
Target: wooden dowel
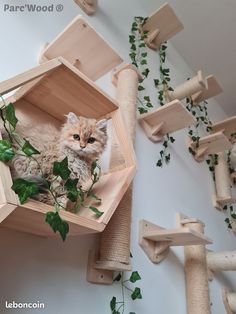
221,261
222,178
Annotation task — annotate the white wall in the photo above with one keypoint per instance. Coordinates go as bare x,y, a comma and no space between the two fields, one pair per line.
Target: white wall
53,272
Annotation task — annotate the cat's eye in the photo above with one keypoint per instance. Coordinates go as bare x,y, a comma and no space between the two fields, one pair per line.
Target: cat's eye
91,140
76,137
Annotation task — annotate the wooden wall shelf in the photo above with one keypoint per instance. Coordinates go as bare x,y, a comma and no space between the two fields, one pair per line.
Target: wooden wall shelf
156,241
166,119
88,6
227,126
48,92
162,25
83,47
213,89
211,144
194,85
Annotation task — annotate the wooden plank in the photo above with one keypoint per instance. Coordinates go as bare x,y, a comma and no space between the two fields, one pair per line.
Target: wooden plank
23,78
7,195
166,22
82,46
213,143
30,218
6,210
228,126
174,116
177,237
67,89
212,90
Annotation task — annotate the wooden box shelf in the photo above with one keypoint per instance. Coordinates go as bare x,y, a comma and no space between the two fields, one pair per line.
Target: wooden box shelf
166,119
156,241
46,94
161,26
213,89
83,47
211,144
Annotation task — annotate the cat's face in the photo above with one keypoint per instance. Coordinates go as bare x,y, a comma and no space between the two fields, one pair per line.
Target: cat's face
86,137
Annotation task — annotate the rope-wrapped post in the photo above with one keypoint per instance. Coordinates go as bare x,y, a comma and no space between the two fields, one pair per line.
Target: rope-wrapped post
115,240
197,289
189,88
222,179
221,261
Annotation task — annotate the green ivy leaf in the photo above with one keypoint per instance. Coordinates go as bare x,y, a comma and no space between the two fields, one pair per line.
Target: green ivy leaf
10,115
159,163
57,224
140,88
24,189
72,191
29,150
113,303
60,168
233,216
118,277
136,294
96,211
6,151
134,277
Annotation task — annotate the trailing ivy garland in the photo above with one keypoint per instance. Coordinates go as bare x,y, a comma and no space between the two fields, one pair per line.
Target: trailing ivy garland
15,145
118,307
138,55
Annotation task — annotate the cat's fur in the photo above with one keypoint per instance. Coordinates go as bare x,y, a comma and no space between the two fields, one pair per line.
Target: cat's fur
55,145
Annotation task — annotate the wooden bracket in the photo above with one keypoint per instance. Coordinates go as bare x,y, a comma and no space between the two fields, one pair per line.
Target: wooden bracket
161,26
224,293
166,119
227,126
98,276
88,6
220,202
213,89
210,144
124,66
156,241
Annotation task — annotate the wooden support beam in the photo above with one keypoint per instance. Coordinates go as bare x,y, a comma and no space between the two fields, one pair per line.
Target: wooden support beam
213,89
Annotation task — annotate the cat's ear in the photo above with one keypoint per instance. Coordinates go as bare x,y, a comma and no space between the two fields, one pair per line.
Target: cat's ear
72,118
102,125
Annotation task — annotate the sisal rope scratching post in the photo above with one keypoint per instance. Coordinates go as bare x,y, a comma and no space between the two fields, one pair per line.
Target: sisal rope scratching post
115,240
222,179
221,261
197,289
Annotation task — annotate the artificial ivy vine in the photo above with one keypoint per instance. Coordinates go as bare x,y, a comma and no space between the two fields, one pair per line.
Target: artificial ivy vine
14,145
138,55
118,307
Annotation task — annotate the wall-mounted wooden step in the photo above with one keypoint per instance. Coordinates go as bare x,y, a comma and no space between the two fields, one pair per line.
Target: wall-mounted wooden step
156,241
83,47
46,94
213,89
166,119
161,26
211,144
88,6
227,126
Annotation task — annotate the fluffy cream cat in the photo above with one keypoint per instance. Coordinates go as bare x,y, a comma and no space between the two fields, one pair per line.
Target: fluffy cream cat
80,139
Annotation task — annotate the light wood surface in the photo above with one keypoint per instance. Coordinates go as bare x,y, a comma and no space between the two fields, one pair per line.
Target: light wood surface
211,144
83,47
165,22
224,293
166,119
213,89
227,126
88,6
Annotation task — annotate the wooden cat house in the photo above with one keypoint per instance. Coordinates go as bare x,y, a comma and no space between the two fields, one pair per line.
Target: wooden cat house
45,94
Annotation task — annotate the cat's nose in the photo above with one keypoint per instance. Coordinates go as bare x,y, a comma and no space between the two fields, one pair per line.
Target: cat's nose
82,146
